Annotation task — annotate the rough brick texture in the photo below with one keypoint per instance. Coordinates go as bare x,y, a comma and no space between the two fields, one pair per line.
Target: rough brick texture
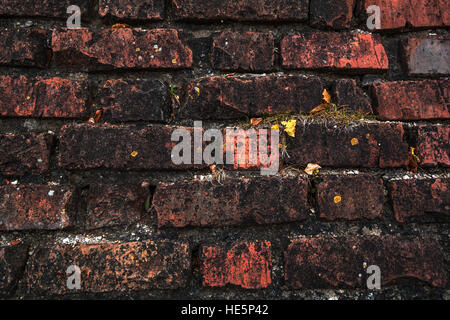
233,203
246,264
86,146
178,149
417,198
339,262
134,100
43,8
36,207
132,9
232,97
412,100
109,267
433,145
370,145
122,48
12,262
21,96
341,197
24,47
337,14
22,154
114,205
417,13
241,10
427,56
353,97
247,51
355,52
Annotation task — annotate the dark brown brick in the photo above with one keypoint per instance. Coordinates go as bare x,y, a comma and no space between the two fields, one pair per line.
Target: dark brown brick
337,14
88,146
12,262
36,207
21,96
42,8
407,100
134,100
122,48
339,262
418,198
22,154
355,52
342,197
245,264
427,56
367,145
349,94
132,9
232,203
231,97
109,267
243,51
241,10
113,205
433,145
396,14
24,47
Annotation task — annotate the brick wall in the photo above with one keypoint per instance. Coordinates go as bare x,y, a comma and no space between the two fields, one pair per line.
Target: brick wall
86,176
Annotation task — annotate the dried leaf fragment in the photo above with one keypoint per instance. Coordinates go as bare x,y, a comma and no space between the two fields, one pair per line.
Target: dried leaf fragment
312,168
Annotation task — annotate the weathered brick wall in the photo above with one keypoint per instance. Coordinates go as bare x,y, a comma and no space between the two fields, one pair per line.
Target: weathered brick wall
86,176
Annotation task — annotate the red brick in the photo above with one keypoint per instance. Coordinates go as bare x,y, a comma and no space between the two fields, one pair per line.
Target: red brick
134,100
36,207
397,14
338,262
408,100
341,197
109,267
418,198
132,9
232,203
12,262
337,14
427,56
122,48
356,52
24,47
42,8
245,264
241,10
21,96
353,97
367,145
243,51
113,205
230,97
433,145
22,154
89,146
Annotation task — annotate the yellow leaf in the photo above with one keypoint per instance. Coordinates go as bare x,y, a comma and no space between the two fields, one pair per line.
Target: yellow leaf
134,154
311,168
275,127
290,127
119,26
337,199
326,96
255,121
354,141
